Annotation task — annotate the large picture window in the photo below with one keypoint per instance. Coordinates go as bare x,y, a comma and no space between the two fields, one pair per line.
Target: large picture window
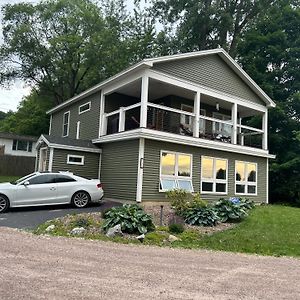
214,175
245,178
175,171
66,124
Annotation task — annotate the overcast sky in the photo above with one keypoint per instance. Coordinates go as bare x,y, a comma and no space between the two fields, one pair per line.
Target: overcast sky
11,97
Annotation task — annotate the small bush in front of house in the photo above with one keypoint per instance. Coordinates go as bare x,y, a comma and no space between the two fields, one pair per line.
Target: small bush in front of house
201,216
131,217
180,200
176,228
233,209
197,202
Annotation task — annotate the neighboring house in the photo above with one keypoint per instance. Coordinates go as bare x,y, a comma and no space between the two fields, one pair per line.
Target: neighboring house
17,145
17,154
169,122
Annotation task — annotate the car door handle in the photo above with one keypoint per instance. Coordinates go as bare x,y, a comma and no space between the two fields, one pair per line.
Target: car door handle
52,189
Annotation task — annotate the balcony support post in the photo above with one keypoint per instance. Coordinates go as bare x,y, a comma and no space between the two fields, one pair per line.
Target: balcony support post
102,118
144,101
197,114
121,119
265,129
234,123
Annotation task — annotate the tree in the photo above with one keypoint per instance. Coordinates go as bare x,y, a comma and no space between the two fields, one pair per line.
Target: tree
270,53
61,47
2,115
207,24
30,118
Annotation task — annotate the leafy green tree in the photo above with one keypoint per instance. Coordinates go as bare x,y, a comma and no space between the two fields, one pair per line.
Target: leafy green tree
30,118
270,53
207,24
2,115
60,46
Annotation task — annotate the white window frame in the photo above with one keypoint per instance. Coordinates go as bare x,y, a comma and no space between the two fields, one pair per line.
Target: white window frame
81,112
246,183
75,163
176,177
224,118
68,124
213,180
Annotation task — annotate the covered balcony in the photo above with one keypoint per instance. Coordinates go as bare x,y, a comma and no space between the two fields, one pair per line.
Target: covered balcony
152,103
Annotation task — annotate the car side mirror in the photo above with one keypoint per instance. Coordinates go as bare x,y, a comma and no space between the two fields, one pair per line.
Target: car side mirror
26,183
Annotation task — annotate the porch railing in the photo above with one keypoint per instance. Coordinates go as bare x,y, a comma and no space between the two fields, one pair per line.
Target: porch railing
172,120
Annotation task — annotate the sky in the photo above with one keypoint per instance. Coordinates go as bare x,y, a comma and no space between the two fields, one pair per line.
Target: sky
11,97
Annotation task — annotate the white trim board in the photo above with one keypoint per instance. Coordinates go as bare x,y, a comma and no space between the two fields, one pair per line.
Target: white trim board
180,139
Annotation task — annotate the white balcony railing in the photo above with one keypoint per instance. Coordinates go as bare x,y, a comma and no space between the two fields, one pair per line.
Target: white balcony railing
172,120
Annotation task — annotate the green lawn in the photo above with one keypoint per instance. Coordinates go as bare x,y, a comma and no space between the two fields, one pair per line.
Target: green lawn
8,178
269,230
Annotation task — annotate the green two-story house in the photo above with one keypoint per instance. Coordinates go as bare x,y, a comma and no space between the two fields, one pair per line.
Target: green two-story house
169,122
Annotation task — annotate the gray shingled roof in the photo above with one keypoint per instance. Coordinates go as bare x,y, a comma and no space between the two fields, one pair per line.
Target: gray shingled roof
13,136
70,142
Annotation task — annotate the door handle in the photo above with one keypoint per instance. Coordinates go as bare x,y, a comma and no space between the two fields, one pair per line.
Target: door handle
52,189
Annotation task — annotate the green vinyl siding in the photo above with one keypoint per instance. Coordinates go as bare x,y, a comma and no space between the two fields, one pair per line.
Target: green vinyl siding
90,169
152,169
119,169
210,71
89,120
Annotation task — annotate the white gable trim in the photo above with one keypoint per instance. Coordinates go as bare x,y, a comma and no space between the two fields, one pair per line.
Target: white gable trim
66,147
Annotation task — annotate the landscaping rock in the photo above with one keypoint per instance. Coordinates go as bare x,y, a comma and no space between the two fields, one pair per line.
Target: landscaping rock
78,230
141,238
50,228
116,230
173,238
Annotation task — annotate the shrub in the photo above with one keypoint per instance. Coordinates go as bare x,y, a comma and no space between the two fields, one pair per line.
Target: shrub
179,200
232,209
201,216
176,228
131,217
182,201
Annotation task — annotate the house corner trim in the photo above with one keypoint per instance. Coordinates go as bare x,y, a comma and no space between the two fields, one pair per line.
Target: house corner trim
139,186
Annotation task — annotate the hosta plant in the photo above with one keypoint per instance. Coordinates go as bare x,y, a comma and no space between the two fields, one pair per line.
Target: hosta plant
233,209
131,217
201,216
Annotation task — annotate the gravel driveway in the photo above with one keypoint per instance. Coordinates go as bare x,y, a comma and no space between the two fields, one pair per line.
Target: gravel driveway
40,267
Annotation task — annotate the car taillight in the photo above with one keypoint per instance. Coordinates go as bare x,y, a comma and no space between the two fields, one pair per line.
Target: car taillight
99,185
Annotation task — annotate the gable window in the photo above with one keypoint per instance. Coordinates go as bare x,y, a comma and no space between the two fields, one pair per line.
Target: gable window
245,178
75,160
175,171
214,175
66,123
84,107
21,145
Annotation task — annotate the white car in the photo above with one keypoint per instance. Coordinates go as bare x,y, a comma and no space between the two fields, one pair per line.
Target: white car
48,188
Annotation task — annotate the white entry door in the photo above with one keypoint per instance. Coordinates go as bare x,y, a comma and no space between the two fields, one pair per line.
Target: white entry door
43,160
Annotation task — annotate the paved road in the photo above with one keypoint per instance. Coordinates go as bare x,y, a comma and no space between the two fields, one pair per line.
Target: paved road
31,217
42,267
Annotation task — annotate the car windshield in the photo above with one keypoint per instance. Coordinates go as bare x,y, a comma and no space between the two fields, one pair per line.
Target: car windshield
22,179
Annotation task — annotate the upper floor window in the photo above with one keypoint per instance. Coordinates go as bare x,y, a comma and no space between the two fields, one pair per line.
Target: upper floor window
245,178
66,123
221,128
214,175
84,107
20,145
175,171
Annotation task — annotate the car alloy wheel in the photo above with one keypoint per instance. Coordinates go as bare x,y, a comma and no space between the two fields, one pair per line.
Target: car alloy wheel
4,203
81,199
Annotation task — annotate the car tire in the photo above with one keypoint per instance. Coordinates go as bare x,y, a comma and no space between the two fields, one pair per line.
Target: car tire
4,203
81,199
